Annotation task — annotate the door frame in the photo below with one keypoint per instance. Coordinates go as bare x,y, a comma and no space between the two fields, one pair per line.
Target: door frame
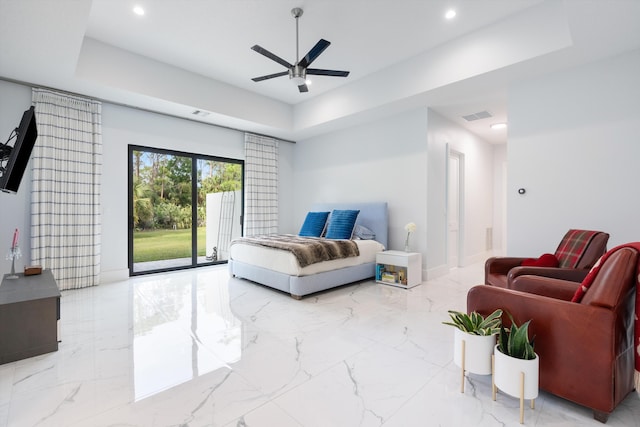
194,206
461,207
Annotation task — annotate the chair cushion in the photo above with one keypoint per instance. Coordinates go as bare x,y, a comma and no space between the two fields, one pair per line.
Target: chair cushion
545,260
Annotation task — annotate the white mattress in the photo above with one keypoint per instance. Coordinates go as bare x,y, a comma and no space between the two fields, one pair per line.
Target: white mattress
285,262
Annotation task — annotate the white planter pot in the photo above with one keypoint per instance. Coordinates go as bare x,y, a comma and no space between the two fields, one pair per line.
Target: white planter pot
478,351
507,375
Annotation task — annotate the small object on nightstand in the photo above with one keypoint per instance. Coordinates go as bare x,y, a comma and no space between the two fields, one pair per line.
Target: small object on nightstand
30,270
399,268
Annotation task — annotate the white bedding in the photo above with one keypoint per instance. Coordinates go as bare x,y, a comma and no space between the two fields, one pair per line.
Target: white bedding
285,262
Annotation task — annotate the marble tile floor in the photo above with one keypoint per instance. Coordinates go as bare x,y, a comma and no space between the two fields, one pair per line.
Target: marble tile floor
198,348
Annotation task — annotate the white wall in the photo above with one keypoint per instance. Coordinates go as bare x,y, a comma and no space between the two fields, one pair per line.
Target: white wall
499,199
574,146
478,187
380,161
286,200
122,126
401,160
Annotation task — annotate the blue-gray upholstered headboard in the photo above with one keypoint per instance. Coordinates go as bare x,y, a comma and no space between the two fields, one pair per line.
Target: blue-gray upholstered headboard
373,215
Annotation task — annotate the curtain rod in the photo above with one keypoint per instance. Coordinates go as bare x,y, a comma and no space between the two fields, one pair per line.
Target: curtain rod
32,85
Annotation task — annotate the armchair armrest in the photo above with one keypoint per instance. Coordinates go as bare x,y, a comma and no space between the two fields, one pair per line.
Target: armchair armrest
572,274
501,265
545,286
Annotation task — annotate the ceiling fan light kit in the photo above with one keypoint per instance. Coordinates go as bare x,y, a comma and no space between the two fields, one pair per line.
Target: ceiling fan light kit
298,72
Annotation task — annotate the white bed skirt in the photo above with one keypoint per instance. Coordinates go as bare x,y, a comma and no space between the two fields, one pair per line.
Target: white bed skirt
299,286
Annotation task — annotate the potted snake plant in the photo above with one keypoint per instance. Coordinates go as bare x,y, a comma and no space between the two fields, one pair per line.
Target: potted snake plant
474,341
517,366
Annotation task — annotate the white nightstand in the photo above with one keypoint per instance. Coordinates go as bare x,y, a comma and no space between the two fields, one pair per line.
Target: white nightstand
399,268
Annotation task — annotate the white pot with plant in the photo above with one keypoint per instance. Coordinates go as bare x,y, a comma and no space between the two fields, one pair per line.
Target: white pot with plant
474,341
516,365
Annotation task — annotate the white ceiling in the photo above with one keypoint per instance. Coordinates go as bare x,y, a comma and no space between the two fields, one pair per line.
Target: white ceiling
186,55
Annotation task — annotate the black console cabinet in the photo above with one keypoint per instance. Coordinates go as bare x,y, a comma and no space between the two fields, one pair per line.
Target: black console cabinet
29,315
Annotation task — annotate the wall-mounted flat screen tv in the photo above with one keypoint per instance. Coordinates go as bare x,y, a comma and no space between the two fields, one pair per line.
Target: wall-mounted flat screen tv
13,161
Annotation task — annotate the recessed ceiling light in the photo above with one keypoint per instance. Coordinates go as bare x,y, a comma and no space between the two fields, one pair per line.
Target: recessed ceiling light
308,82
498,126
450,14
138,10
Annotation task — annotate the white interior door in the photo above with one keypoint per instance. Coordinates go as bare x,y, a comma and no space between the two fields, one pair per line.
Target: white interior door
453,209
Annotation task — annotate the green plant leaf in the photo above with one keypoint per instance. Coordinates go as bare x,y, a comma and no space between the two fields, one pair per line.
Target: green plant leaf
491,324
503,340
515,343
474,323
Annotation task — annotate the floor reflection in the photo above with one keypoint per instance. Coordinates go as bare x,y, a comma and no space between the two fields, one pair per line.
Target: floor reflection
164,308
167,350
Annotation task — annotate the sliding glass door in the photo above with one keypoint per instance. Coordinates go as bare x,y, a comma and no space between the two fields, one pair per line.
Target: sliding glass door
219,207
184,209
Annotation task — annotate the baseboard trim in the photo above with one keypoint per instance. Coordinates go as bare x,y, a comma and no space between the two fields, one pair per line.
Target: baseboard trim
474,259
434,272
114,275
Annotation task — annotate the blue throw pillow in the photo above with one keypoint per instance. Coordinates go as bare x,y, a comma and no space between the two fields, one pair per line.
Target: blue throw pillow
313,225
341,224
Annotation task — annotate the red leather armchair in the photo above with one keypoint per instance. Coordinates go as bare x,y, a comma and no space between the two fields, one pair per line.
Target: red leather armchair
575,260
586,348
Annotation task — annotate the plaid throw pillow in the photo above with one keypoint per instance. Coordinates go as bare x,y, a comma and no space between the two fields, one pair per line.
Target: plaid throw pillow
572,247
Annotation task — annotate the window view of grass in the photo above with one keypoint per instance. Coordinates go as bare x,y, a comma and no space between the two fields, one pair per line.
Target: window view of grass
156,245
164,202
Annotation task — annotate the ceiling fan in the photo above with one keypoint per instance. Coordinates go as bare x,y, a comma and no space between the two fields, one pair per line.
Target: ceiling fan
298,72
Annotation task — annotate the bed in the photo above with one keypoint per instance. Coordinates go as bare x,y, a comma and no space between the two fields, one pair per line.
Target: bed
279,269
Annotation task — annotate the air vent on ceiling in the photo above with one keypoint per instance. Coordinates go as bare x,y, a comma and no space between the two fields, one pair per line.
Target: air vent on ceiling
477,116
201,113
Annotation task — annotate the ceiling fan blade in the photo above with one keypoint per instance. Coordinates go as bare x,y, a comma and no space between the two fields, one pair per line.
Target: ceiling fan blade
269,76
271,56
334,73
314,53
303,88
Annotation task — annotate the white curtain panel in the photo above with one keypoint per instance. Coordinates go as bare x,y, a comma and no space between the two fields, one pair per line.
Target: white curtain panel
261,185
65,192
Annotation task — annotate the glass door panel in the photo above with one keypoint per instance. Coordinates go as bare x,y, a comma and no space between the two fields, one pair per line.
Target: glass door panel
161,211
219,208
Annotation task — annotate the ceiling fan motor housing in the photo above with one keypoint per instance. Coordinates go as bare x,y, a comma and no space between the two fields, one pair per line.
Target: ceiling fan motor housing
298,74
